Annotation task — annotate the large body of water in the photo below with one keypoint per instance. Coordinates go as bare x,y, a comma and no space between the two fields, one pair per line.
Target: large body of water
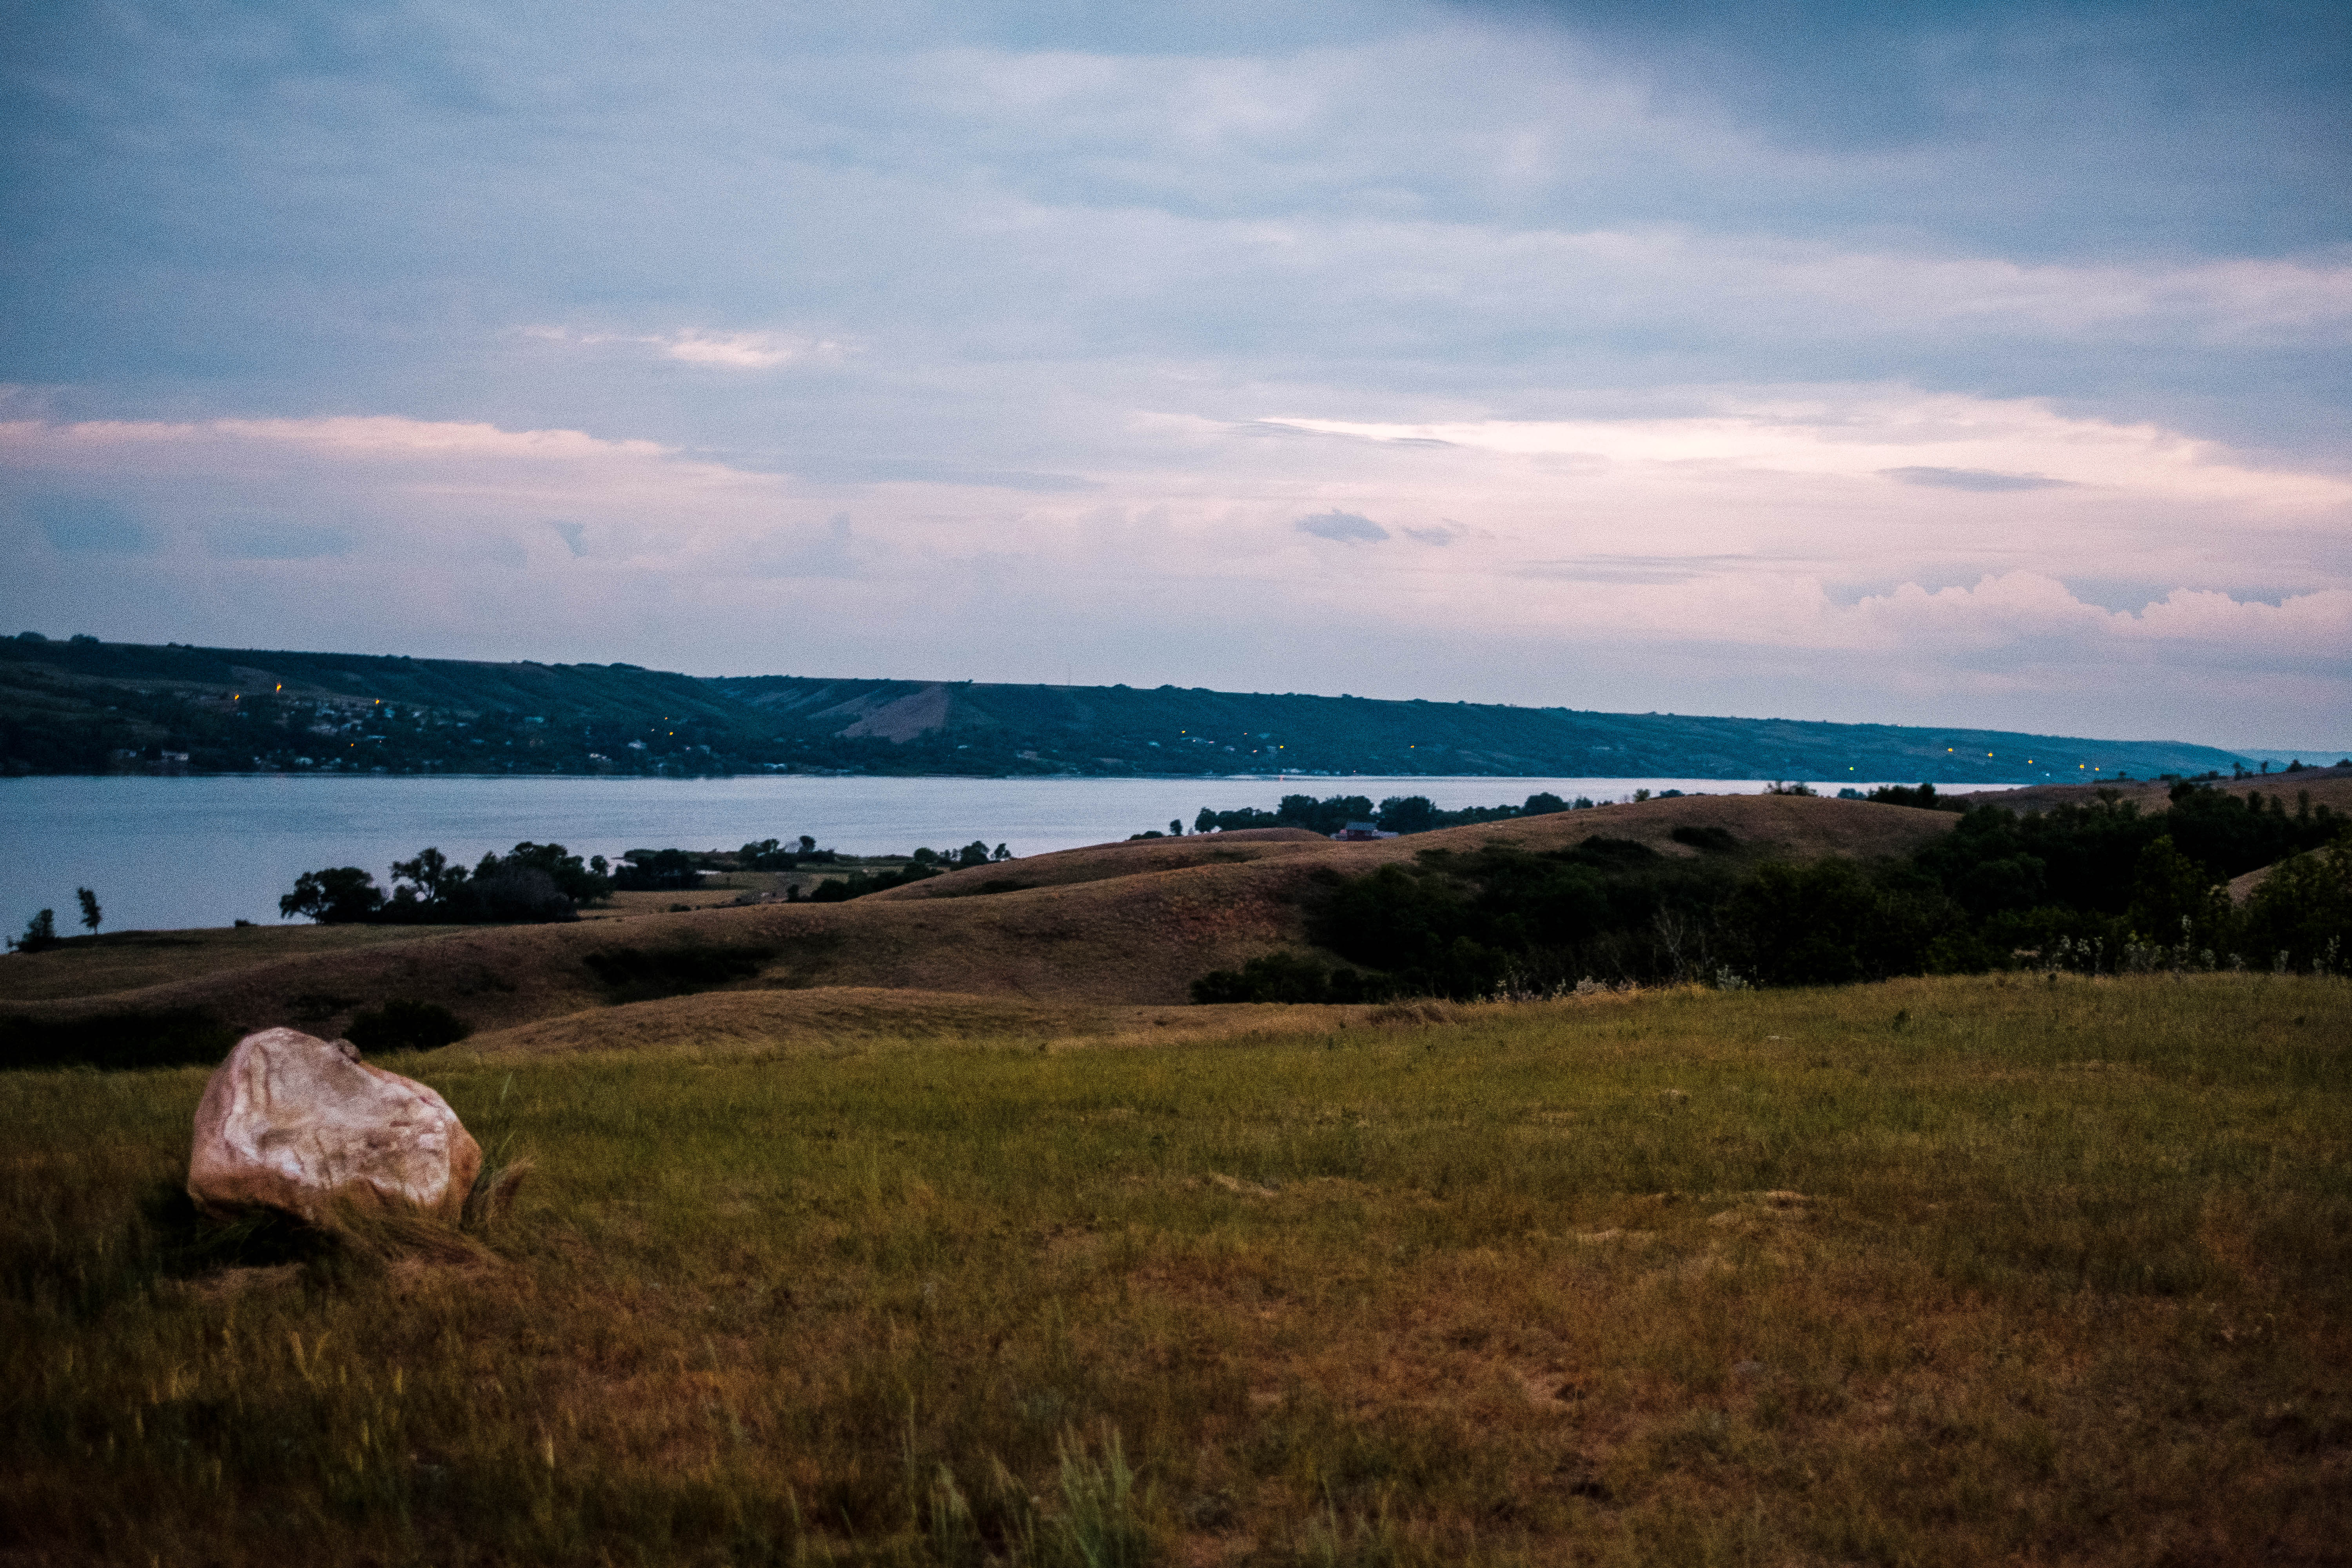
170,852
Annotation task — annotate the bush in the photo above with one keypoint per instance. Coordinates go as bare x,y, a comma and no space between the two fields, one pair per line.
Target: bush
1922,797
658,871
858,884
402,1024
2301,917
1827,924
511,895
636,975
171,1037
1288,977
1458,925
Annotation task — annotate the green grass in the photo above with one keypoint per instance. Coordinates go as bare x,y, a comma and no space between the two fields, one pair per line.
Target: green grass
1930,1272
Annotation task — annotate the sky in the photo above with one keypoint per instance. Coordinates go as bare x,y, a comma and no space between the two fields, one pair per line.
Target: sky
1940,365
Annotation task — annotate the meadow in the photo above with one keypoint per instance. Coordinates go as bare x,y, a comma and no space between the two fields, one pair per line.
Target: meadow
2011,1268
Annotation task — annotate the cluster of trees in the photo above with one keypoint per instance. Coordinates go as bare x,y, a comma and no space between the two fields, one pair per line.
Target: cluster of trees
673,870
668,870
41,931
534,882
537,882
1922,796
926,863
771,854
2095,886
1397,814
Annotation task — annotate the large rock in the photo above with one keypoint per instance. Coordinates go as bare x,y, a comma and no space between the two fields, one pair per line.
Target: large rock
299,1123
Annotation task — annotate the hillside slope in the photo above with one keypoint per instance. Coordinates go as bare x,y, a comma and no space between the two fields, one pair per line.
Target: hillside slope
1122,924
85,706
2325,787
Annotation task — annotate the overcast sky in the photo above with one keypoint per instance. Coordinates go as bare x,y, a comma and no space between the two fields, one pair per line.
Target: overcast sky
1929,363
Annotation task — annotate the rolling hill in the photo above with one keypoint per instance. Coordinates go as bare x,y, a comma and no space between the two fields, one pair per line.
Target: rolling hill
1096,943
85,706
1112,926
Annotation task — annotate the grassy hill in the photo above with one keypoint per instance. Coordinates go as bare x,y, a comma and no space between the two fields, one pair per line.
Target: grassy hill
1932,1273
1118,924
1115,926
86,706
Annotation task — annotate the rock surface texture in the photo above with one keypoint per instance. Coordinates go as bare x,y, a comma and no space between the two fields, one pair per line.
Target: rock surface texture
298,1123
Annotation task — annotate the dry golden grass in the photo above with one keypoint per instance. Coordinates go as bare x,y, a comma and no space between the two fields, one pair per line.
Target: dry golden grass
1787,826
834,1019
132,960
1935,1272
636,906
1105,862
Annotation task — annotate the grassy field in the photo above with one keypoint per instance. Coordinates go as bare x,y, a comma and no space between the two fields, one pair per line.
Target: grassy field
1927,1272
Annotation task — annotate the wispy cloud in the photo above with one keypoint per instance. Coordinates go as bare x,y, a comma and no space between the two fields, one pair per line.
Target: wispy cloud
1345,527
1980,479
725,351
1975,443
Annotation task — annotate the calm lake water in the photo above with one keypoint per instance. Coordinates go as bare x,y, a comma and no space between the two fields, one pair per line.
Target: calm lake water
169,853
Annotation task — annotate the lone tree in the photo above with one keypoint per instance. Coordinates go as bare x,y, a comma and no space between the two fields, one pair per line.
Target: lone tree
90,914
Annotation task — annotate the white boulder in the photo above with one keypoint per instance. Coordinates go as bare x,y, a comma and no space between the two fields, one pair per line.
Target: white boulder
299,1123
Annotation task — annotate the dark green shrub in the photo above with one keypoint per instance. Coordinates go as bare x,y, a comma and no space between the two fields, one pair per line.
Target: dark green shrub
512,895
1288,977
1922,796
171,1037
858,884
402,1024
2301,917
2175,900
636,975
1714,840
658,871
1827,923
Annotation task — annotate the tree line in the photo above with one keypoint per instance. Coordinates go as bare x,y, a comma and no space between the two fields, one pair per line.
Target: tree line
544,883
1397,814
2098,886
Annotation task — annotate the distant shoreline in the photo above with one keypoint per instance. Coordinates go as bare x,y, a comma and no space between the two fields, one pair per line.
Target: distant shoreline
1311,780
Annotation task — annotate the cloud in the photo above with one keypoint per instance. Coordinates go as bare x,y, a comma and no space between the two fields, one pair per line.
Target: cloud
87,525
348,437
1982,479
1343,526
1983,444
278,541
834,552
726,351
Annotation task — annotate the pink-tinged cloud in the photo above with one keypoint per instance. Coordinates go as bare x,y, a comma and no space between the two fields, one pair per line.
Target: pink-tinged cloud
352,438
1879,432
